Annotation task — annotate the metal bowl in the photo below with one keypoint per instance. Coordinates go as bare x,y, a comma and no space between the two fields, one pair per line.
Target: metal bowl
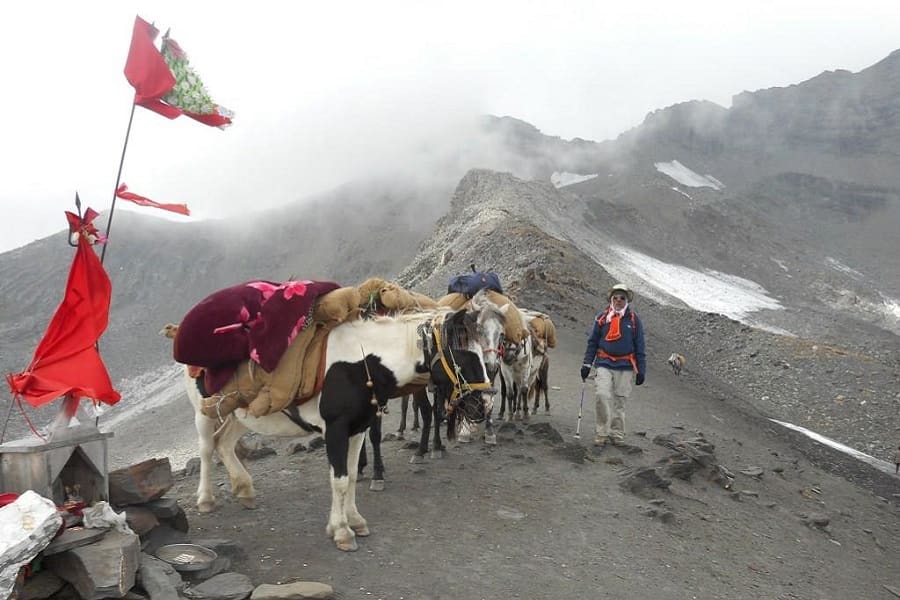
186,557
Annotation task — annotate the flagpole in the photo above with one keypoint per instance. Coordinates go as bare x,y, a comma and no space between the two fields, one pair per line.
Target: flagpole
112,207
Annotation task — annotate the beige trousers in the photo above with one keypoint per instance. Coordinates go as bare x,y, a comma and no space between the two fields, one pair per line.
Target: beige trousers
612,390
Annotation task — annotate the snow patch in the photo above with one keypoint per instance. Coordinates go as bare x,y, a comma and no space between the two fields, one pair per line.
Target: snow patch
879,464
842,268
708,291
686,195
685,176
562,179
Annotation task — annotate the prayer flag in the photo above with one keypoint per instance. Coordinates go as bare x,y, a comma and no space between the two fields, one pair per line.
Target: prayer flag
164,81
66,361
123,193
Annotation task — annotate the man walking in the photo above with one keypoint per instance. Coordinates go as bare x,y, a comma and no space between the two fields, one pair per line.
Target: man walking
616,348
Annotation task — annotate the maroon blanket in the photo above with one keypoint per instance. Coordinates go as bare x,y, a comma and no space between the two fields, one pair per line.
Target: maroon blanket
256,320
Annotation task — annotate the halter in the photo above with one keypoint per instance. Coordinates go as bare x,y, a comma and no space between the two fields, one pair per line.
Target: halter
461,387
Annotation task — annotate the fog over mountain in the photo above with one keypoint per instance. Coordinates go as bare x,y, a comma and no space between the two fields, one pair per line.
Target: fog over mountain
791,196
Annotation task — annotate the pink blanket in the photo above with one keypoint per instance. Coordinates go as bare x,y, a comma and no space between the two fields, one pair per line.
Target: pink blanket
255,320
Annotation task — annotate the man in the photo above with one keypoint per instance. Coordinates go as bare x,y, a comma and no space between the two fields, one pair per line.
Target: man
616,349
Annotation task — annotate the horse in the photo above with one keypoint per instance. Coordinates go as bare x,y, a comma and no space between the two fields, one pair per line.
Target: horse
487,320
394,352
517,375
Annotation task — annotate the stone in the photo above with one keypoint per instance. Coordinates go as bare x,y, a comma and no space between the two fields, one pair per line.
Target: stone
104,569
227,586
159,579
27,525
298,590
44,584
140,483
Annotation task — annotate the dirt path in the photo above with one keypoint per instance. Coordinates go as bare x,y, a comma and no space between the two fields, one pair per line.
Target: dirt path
525,519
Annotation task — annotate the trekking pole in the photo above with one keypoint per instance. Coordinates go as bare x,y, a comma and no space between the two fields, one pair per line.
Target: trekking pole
580,407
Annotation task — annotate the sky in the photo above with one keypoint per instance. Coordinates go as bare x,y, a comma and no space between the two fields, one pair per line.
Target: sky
325,92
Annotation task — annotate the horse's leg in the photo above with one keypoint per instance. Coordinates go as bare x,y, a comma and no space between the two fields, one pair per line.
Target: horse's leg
355,520
206,427
523,402
241,481
337,445
404,406
502,396
420,401
490,437
377,483
437,450
363,459
416,402
513,414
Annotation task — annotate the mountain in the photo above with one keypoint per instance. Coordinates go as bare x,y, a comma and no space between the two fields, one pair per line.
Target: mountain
756,236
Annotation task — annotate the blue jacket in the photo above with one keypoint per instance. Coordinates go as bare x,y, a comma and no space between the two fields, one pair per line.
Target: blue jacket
632,341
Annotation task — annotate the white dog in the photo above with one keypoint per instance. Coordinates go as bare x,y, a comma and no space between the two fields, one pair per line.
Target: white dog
677,362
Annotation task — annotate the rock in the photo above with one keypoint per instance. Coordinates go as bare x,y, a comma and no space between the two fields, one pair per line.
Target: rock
43,585
104,569
643,481
298,590
140,483
159,579
27,525
227,586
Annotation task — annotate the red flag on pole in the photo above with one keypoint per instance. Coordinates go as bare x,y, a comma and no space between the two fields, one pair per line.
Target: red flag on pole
164,81
123,193
66,361
147,72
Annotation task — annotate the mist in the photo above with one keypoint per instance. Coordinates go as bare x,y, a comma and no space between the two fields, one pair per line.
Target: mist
325,95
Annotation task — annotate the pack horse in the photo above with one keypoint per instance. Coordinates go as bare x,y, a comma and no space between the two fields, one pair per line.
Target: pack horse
366,362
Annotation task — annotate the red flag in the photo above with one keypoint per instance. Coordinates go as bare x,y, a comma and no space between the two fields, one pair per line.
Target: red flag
146,70
164,81
123,193
66,361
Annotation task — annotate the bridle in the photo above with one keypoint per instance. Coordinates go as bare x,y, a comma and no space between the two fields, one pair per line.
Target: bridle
451,368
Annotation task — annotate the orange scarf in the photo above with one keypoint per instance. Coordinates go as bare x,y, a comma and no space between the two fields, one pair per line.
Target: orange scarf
614,332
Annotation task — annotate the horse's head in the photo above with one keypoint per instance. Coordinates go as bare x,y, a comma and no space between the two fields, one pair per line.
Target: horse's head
457,364
490,321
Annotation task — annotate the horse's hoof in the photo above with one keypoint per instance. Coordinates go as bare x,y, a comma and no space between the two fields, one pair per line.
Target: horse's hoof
490,440
206,507
439,453
361,530
400,435
347,545
464,438
376,485
415,459
247,502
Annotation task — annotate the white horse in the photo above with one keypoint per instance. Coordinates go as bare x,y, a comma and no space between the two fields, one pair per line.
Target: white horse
403,347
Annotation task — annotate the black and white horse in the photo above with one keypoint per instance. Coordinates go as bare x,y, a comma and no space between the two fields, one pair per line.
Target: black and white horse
392,352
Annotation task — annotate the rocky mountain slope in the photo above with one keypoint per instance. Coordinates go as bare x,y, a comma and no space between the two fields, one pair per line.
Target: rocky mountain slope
813,241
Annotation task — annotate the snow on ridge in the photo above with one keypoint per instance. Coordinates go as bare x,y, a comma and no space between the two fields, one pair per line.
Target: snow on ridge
685,176
708,291
562,179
